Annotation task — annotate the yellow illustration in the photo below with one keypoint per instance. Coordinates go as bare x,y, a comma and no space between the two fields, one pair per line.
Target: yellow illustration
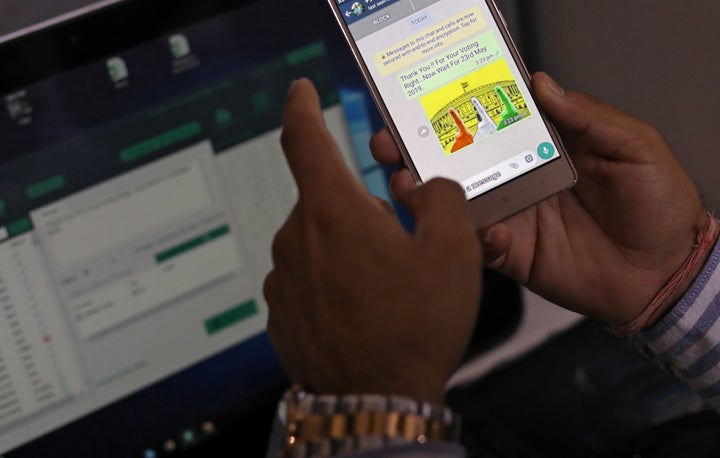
475,106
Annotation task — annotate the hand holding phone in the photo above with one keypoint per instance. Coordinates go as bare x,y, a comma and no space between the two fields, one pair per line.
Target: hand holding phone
455,96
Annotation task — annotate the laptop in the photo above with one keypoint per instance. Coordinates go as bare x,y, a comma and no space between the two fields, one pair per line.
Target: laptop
141,185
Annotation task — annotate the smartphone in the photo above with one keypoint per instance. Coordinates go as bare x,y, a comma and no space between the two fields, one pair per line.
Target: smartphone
455,94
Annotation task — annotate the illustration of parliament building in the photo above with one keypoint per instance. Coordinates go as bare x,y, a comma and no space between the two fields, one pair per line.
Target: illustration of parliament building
443,123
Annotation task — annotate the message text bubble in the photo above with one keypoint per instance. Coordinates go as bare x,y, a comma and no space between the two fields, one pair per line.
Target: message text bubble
430,41
449,65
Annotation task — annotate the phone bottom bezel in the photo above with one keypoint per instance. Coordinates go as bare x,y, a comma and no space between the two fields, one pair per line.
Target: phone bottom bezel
523,192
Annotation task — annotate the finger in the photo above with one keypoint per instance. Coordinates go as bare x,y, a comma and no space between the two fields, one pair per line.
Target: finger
384,149
384,205
311,152
272,290
288,239
497,241
456,117
441,211
401,182
609,132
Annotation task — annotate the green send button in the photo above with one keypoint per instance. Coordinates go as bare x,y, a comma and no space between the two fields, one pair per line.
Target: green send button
230,317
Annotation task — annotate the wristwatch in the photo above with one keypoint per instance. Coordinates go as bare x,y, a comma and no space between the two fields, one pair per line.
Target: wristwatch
327,425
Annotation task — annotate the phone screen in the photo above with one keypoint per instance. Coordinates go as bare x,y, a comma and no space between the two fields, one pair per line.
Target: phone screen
454,93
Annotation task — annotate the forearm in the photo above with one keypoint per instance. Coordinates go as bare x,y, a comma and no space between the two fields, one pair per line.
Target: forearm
687,340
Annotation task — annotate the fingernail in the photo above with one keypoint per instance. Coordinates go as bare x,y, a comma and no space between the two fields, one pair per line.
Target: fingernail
555,87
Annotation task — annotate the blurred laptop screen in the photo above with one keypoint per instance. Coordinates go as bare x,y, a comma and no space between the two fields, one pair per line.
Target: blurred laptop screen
141,185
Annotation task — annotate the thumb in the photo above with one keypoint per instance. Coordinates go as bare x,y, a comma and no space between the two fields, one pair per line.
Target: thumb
441,211
607,131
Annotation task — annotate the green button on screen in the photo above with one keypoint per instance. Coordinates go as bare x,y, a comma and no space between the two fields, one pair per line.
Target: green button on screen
191,244
159,142
20,226
45,187
230,317
305,54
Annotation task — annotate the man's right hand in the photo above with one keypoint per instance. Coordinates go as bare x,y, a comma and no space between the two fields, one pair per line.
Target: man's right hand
606,247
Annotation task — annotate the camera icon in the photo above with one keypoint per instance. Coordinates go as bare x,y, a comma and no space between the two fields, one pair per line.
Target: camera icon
529,158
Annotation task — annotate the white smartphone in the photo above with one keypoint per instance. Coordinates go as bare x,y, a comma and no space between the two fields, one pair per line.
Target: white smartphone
453,91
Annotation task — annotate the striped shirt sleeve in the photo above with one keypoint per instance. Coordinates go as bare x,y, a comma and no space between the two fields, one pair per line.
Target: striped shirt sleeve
687,340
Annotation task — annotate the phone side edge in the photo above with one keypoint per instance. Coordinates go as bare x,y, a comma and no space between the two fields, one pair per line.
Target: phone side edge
374,91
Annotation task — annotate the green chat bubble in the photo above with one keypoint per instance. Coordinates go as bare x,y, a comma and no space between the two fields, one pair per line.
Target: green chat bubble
449,65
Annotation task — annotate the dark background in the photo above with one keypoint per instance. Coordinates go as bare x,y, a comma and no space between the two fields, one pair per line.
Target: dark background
657,60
